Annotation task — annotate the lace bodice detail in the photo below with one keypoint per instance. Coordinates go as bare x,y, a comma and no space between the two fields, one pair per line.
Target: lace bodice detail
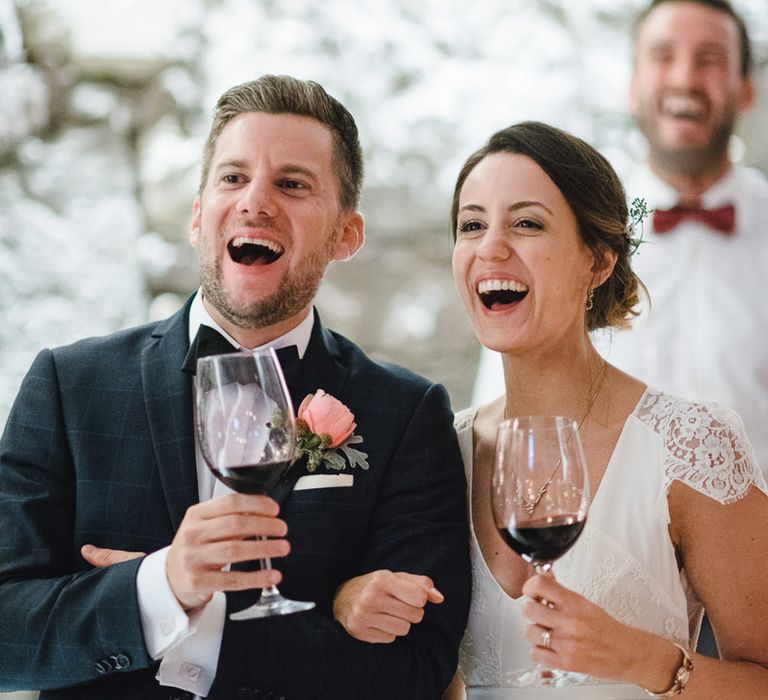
624,561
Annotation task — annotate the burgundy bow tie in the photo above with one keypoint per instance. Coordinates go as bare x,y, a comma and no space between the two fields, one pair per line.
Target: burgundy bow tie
722,219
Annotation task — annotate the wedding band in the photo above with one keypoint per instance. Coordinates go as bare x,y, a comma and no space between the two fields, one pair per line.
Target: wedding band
546,639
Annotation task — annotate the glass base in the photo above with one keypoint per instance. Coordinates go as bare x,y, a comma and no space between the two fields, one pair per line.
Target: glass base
540,677
271,603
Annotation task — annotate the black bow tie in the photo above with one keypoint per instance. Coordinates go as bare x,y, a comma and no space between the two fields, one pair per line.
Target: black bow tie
209,341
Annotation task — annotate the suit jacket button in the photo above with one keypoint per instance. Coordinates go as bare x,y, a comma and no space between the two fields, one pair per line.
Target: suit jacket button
120,661
102,667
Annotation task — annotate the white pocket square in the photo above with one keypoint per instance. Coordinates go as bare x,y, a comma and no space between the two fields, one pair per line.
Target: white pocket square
323,481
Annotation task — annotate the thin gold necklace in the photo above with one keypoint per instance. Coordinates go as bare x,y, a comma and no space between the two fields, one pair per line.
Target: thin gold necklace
530,506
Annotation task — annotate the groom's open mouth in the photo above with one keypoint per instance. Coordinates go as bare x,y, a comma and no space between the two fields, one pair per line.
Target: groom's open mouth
497,294
254,251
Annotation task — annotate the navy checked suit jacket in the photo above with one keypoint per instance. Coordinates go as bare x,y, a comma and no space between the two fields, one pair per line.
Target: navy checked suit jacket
99,449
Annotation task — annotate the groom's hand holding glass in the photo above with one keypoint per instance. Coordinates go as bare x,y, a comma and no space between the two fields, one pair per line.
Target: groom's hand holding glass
246,436
213,534
219,532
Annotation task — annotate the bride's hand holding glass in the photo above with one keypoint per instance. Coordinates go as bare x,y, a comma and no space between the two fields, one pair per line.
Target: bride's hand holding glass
584,639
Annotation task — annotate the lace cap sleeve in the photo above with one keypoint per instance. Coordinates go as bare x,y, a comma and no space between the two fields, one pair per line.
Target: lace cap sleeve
705,446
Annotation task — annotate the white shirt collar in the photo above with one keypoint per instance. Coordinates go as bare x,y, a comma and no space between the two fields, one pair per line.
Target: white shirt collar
298,336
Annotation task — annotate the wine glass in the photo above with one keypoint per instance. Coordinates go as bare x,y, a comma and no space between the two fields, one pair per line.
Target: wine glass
246,433
540,498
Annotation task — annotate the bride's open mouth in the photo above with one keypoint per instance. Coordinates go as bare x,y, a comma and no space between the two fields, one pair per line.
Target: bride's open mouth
254,251
498,294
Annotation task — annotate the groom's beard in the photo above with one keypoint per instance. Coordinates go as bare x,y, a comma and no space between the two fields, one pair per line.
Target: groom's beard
295,292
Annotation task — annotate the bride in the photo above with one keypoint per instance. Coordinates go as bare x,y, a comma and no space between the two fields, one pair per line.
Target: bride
677,522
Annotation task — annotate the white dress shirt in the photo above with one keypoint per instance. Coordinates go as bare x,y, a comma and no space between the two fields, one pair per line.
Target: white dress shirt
704,335
189,644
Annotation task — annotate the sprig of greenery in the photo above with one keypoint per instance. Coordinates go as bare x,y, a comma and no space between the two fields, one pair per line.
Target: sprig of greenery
638,212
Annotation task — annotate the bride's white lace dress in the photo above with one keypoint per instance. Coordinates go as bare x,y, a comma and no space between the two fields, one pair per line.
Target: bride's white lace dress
624,560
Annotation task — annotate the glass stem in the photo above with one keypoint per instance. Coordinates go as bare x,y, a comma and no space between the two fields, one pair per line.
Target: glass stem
269,592
541,568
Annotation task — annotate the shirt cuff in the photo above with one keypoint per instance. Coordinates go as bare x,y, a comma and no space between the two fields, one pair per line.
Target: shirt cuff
188,645
191,664
163,620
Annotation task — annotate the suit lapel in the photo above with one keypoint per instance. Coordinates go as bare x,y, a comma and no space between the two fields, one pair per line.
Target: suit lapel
168,401
320,368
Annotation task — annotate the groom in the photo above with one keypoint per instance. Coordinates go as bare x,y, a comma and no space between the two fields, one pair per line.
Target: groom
99,449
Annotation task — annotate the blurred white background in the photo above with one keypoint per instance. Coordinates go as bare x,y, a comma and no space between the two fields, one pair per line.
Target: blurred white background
106,104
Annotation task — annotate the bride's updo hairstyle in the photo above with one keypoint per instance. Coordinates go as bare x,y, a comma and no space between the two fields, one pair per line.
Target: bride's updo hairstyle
595,195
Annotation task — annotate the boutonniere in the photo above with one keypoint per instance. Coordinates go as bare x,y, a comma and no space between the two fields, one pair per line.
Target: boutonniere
325,430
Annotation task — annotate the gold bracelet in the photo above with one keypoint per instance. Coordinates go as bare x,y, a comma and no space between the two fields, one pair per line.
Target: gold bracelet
681,676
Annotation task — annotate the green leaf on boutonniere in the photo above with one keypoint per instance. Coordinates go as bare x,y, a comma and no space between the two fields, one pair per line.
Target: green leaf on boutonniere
333,460
313,459
356,458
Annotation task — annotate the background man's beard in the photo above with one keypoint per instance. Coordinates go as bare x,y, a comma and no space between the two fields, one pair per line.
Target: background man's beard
693,161
690,161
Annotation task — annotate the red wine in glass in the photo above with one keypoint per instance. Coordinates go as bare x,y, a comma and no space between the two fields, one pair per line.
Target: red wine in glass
251,478
545,539
246,433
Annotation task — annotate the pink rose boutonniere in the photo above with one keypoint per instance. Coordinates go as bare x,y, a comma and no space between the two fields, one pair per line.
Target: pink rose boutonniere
325,427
